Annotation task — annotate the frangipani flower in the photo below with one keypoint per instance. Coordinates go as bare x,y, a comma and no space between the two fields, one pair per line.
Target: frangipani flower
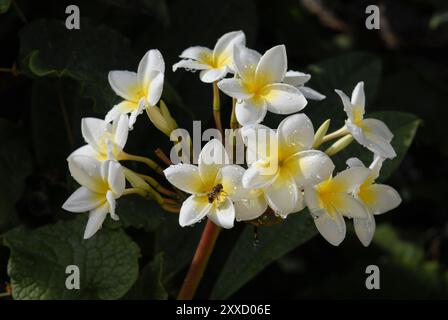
371,133
140,89
284,170
214,184
101,184
104,140
214,65
298,79
332,199
378,199
259,87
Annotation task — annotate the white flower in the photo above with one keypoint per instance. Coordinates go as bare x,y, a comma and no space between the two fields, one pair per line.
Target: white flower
371,133
214,65
140,89
298,79
378,199
289,166
259,87
214,184
101,184
104,140
332,199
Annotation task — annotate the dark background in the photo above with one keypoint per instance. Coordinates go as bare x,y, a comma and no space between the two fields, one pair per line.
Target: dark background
412,45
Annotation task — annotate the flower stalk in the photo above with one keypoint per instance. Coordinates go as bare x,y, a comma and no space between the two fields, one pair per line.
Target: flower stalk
200,261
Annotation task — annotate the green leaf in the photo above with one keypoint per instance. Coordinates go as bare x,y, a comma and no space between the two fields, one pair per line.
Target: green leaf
149,285
47,48
140,213
404,127
108,262
4,5
246,259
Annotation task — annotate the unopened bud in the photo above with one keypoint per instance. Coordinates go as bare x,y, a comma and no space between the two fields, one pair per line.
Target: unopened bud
339,145
320,133
161,118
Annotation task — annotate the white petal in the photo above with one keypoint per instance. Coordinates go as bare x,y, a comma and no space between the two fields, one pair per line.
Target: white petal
365,229
295,133
223,215
112,204
348,180
190,65
151,61
234,88
382,198
115,177
193,210
312,200
86,151
135,113
249,113
283,99
125,84
257,176
272,65
212,75
87,172
378,145
346,102
296,78
121,130
251,208
350,207
354,162
378,128
93,130
123,107
185,177
231,180
226,42
333,230
196,53
358,96
245,61
211,159
96,219
83,200
155,88
259,140
283,194
309,167
376,166
312,94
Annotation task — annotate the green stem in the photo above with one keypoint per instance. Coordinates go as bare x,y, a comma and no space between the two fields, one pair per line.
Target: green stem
334,135
149,162
217,108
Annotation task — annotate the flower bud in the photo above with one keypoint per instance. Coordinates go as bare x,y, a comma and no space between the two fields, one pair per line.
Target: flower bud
339,145
320,133
161,118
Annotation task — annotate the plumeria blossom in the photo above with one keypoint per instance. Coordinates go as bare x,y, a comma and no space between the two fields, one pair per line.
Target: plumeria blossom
213,64
259,87
104,140
101,184
298,80
139,90
332,199
284,170
214,184
378,199
371,133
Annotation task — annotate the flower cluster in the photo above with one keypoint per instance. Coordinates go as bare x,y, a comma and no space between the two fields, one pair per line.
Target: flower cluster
285,170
